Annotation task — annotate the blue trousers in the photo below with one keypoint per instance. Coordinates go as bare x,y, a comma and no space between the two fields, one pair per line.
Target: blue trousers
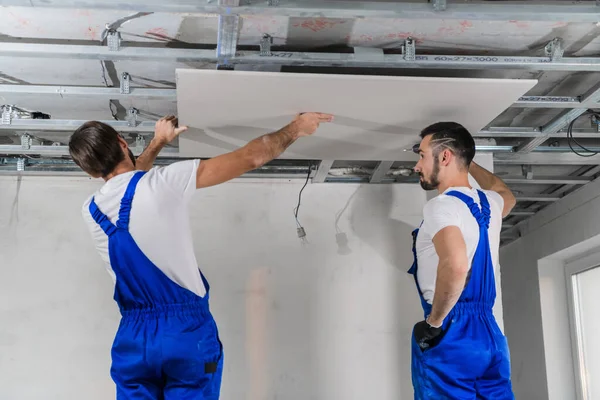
172,353
471,361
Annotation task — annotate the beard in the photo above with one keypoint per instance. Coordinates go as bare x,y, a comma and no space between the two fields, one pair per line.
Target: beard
131,156
433,181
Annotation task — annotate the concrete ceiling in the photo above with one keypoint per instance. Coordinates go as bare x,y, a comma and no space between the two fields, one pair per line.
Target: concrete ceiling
173,29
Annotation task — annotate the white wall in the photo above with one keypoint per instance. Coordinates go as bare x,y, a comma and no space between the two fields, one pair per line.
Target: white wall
536,316
297,322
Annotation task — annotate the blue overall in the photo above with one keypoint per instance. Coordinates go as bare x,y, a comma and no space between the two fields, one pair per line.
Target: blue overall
471,360
167,345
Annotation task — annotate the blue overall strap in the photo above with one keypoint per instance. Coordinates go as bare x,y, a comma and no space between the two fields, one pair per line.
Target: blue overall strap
101,219
481,287
125,210
481,215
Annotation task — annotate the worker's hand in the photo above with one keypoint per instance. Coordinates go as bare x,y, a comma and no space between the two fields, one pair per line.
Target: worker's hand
307,123
426,335
167,129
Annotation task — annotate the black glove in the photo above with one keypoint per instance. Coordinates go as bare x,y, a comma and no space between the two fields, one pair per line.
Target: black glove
426,335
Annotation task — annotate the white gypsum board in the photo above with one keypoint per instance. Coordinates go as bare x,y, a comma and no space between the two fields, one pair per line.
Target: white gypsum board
376,117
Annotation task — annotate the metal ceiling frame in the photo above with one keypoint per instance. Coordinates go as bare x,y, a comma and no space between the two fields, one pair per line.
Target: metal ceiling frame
523,10
287,58
228,56
63,125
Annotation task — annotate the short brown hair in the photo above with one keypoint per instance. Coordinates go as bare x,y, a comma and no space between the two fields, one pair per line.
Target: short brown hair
95,147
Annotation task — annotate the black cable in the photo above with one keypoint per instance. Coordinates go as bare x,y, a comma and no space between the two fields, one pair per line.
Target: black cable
571,140
297,209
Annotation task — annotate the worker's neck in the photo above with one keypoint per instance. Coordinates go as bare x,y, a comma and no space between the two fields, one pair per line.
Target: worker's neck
122,168
461,180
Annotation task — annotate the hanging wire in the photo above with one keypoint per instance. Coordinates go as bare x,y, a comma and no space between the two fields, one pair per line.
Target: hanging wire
297,209
572,141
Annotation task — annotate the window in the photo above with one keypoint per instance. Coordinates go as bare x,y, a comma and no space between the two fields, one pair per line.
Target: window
583,284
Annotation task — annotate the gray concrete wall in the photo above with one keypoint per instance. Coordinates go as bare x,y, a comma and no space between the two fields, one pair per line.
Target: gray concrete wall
531,285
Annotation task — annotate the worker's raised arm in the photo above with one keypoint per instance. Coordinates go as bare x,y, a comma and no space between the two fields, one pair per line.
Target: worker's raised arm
258,151
452,272
489,181
165,132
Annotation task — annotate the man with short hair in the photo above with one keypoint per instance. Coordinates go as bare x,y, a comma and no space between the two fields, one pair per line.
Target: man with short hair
167,345
458,351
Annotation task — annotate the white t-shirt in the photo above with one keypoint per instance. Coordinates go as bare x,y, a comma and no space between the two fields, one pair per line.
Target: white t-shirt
443,211
159,220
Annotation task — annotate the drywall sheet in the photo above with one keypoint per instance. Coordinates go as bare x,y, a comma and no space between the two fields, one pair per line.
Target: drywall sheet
377,117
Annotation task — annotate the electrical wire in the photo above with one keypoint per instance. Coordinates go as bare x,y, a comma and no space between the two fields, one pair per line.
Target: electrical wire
571,140
297,209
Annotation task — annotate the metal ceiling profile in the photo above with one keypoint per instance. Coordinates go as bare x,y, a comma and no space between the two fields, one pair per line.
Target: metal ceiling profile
287,58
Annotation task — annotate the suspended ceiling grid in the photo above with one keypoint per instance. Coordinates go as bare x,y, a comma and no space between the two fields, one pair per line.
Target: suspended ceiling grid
55,59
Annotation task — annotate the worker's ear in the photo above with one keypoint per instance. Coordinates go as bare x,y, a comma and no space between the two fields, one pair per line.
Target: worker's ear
446,157
122,143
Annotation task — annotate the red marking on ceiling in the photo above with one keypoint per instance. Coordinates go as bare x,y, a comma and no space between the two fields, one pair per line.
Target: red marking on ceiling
91,32
22,21
466,24
161,32
446,30
520,24
400,36
318,24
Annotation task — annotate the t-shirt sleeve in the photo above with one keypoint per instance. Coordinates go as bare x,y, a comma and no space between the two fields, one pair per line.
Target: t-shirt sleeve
438,214
180,177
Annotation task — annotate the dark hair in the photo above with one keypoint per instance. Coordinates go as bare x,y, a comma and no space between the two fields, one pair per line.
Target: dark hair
95,147
454,137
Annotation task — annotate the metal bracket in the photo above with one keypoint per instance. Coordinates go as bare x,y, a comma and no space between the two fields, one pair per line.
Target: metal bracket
322,171
26,141
265,45
527,171
125,82
113,40
439,5
6,115
131,117
381,171
20,164
555,49
409,49
140,143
